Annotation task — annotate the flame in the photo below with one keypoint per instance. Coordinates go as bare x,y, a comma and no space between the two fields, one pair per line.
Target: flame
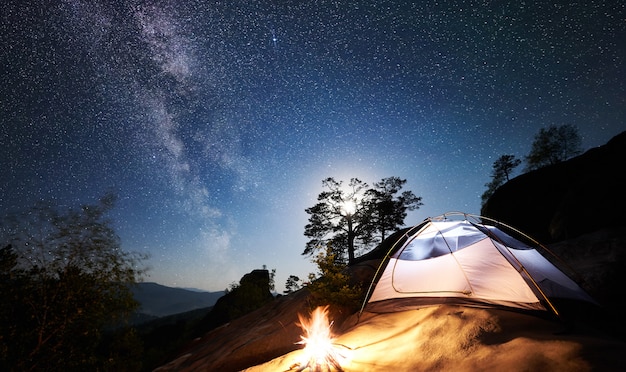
319,352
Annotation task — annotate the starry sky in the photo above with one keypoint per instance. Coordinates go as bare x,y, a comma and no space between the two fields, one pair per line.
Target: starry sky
216,121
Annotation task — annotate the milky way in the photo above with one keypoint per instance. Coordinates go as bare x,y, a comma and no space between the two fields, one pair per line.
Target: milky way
215,122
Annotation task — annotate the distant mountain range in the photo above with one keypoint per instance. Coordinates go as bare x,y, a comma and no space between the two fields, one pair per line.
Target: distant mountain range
157,300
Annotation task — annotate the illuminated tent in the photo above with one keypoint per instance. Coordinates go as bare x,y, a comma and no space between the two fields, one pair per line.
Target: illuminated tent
469,262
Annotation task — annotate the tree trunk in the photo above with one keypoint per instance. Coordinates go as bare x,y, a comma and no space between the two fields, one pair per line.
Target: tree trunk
350,241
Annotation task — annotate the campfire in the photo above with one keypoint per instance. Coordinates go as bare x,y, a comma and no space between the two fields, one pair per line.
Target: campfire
319,353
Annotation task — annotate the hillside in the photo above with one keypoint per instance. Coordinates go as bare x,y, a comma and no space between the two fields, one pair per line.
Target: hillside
568,199
158,301
434,338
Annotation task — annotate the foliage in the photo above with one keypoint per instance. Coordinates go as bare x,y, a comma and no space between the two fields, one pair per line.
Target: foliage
387,212
64,279
503,167
341,213
500,173
272,282
252,292
123,350
164,337
247,298
292,284
332,285
553,145
231,287
550,146
356,216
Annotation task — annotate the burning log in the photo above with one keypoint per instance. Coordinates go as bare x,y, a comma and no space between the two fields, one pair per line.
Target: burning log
319,353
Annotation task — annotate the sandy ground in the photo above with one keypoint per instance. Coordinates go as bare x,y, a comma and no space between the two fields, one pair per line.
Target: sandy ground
443,337
465,339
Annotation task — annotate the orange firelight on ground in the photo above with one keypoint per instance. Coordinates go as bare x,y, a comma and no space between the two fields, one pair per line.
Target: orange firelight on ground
319,353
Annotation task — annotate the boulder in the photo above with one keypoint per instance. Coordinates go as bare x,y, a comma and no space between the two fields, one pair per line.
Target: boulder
252,293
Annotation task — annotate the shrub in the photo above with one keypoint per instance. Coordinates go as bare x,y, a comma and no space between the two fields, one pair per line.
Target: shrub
333,285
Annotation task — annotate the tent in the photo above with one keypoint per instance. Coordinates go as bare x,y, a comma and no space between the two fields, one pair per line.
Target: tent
472,261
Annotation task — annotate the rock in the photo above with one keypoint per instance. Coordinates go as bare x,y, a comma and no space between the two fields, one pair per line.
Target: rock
566,200
257,337
252,293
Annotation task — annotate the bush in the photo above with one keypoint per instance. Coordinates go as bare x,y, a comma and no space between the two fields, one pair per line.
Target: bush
333,285
63,280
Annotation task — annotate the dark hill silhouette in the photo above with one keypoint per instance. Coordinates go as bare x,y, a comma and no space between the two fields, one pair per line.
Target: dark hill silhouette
568,199
158,301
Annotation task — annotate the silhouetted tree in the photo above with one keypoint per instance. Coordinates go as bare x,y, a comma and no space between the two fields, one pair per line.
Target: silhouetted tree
388,211
356,217
292,284
341,216
64,278
553,145
272,283
500,173
503,167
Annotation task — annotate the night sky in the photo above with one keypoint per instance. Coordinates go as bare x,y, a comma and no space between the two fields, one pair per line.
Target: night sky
216,121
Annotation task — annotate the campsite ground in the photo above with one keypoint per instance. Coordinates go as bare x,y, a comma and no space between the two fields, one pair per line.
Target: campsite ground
434,338
465,339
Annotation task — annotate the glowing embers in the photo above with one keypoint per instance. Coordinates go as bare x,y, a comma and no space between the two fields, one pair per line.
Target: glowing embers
319,353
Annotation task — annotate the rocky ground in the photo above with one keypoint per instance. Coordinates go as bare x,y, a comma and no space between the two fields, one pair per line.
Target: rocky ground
435,338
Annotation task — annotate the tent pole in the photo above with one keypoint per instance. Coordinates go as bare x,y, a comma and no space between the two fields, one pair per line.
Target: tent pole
369,289
521,266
